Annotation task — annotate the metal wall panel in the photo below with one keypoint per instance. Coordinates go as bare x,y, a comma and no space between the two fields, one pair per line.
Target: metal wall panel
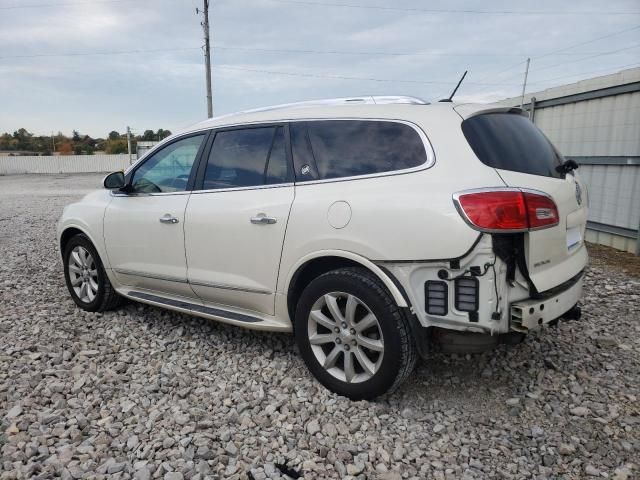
607,126
63,164
614,194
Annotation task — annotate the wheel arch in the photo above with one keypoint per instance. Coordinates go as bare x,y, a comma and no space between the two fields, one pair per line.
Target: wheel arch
313,265
70,230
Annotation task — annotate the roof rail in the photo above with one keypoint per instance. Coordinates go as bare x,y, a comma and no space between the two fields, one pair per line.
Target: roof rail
365,100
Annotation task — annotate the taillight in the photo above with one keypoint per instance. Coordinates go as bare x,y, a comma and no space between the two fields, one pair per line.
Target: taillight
506,210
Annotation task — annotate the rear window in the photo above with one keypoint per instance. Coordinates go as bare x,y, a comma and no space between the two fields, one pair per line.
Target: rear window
511,142
345,148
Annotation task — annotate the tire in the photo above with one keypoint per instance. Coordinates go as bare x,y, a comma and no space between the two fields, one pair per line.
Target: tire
386,342
79,257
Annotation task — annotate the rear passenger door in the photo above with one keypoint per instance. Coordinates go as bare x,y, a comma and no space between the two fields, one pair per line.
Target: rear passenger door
237,217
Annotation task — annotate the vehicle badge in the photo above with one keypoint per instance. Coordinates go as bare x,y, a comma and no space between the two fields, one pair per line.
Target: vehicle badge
305,170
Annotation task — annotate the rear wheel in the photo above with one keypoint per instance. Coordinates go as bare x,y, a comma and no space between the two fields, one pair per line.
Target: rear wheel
86,278
352,336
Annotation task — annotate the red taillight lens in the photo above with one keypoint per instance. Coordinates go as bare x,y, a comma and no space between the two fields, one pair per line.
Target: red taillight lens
541,209
507,210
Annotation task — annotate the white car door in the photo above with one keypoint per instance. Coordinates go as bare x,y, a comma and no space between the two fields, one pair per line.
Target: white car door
144,227
237,217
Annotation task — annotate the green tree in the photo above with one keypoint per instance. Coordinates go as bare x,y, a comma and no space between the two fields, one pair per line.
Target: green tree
163,133
113,135
148,136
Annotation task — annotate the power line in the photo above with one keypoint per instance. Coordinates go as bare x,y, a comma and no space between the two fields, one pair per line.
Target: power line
465,11
342,77
554,52
287,50
368,7
65,4
116,52
589,57
564,49
606,70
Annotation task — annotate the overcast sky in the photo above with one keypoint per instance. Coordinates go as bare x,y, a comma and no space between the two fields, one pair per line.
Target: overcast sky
312,51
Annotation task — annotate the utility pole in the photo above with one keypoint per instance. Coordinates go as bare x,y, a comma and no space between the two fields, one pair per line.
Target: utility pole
207,56
524,83
129,143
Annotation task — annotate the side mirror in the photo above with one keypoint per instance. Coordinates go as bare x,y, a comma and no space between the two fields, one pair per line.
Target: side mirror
114,181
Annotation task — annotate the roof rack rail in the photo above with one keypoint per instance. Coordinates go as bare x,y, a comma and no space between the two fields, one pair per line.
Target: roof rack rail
365,100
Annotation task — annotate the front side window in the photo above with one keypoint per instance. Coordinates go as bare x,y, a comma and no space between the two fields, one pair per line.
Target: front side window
345,148
167,170
246,158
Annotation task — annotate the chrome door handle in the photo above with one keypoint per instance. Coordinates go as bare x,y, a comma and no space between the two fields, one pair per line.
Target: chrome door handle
168,218
262,219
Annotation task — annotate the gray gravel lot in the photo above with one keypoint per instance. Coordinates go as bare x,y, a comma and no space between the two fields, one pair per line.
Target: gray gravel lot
146,393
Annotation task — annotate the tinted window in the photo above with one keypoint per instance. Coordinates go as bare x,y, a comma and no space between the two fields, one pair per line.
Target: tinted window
511,142
168,169
345,148
245,158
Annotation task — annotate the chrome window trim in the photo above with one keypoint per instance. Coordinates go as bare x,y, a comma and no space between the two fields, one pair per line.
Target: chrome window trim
428,147
139,194
237,189
430,152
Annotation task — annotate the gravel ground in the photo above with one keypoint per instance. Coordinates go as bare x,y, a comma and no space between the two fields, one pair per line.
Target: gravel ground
145,393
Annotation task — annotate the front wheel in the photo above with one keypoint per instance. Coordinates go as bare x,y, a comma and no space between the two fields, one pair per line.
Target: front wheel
86,278
352,336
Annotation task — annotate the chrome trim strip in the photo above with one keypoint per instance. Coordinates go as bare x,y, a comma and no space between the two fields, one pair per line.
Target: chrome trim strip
150,275
236,189
240,317
201,283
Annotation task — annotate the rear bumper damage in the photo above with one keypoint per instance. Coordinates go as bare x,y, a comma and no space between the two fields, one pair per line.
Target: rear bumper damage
484,292
531,314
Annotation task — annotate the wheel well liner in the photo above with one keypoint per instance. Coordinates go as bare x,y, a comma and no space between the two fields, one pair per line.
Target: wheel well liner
67,235
315,267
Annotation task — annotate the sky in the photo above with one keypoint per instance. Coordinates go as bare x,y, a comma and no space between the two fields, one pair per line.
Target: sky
101,65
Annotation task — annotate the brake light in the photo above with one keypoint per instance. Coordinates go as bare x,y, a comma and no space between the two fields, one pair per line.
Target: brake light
507,210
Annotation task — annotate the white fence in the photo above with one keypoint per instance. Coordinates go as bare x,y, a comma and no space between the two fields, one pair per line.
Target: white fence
63,164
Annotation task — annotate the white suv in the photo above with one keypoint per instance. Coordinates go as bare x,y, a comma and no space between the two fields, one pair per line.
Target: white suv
369,227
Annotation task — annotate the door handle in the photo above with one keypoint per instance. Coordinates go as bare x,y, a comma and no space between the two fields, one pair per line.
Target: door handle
168,218
262,219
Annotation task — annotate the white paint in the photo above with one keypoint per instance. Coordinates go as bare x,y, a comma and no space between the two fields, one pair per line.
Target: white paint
339,214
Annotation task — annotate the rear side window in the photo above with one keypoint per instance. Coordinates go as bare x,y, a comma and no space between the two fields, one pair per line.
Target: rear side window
246,158
511,142
345,148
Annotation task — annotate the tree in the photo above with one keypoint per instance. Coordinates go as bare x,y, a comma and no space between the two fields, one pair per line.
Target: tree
76,136
116,146
148,136
113,135
163,133
65,148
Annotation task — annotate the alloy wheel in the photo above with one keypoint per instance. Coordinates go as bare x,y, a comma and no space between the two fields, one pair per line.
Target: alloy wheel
83,274
345,337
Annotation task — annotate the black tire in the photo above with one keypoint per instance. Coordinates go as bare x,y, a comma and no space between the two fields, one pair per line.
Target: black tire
400,353
106,297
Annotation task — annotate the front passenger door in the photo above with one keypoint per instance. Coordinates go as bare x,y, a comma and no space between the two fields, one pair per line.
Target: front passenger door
144,227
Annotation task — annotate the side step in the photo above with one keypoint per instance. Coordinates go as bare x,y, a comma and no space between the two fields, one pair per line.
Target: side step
240,317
